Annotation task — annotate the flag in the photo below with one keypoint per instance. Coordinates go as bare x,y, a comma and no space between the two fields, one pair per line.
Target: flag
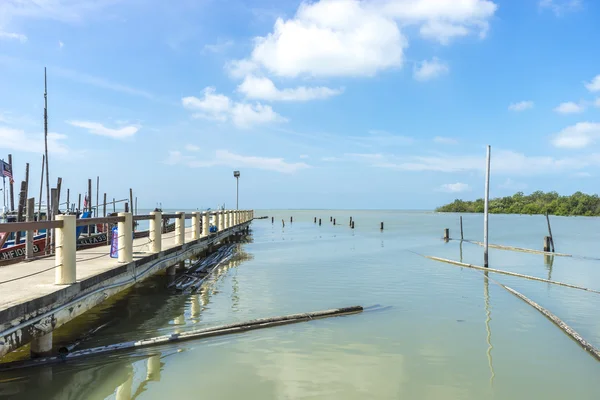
85,202
7,171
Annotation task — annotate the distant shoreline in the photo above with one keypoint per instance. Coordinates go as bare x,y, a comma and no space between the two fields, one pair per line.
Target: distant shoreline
537,203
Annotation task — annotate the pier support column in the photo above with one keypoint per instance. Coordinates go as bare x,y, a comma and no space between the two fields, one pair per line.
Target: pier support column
205,223
180,228
236,218
216,215
153,368
155,232
66,245
195,225
221,225
125,239
41,346
226,219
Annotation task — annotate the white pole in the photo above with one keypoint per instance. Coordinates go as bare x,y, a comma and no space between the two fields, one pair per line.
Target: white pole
485,208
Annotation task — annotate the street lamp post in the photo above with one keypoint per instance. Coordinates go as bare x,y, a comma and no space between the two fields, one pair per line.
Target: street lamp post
236,175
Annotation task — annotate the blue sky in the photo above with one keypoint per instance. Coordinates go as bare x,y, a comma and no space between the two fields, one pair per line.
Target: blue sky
331,103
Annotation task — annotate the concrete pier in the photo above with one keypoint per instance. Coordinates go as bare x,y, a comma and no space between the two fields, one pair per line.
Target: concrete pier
41,295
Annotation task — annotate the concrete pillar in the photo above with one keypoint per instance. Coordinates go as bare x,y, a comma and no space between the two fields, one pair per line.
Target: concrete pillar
216,215
236,217
153,368
221,225
155,232
66,245
180,228
195,225
125,239
41,346
205,223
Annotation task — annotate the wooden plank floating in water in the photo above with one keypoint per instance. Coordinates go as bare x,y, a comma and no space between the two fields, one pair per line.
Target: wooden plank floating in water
524,250
190,335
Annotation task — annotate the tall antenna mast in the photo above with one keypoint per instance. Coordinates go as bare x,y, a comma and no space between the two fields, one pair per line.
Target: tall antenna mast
48,211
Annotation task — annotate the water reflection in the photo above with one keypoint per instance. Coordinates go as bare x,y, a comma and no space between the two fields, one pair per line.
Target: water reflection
549,263
488,319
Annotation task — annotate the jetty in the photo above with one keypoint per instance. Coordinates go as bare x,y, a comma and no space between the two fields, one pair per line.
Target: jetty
40,295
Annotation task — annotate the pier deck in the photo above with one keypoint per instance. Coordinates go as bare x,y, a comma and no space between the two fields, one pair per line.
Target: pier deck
32,305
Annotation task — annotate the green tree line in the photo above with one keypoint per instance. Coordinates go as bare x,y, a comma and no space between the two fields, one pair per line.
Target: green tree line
535,203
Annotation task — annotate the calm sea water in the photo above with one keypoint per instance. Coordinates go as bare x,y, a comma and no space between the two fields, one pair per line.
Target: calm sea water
447,334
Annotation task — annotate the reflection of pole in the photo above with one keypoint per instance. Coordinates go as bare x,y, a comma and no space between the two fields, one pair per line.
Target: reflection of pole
488,319
485,209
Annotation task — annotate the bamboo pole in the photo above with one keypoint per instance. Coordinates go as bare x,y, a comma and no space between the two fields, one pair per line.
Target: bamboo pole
485,208
49,215
499,271
189,335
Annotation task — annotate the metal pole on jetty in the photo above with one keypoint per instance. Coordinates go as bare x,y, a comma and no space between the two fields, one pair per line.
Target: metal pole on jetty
485,207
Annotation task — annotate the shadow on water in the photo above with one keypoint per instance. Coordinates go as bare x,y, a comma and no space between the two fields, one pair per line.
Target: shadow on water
147,309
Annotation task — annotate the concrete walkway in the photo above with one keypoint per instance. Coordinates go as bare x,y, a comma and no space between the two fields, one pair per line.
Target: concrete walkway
39,280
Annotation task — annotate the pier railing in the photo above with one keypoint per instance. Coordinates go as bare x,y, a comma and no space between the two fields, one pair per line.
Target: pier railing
65,228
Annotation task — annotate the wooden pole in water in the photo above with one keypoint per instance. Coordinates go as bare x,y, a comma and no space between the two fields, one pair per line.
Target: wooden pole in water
272,220
11,184
89,195
334,221
41,189
330,219
550,232
446,234
114,206
461,229
29,235
79,204
485,207
291,219
350,223
381,227
26,182
97,196
104,207
283,223
130,198
20,209
319,221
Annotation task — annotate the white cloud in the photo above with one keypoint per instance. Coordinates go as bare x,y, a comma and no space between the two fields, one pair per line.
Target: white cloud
521,106
582,174
577,136
380,138
262,88
512,185
457,187
17,139
427,70
13,36
594,84
192,147
559,7
60,44
227,158
570,108
444,140
97,128
100,82
504,162
218,47
358,38
214,106
597,102
304,156
61,10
